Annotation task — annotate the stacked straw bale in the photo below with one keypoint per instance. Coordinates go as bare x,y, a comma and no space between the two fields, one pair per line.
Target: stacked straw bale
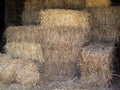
106,23
54,4
98,3
60,36
25,50
30,17
16,70
33,5
65,18
61,60
97,60
64,4
74,4
30,34
31,12
71,36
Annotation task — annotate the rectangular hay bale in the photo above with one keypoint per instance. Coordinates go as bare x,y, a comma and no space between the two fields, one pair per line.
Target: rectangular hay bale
74,4
60,61
33,5
18,70
65,18
106,23
98,3
70,36
61,36
25,50
97,59
30,34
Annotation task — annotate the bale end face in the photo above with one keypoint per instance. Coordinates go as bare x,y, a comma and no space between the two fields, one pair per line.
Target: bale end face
25,50
97,60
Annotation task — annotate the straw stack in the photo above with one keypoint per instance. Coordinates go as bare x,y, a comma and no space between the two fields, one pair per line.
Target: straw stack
97,60
98,3
65,31
23,43
106,23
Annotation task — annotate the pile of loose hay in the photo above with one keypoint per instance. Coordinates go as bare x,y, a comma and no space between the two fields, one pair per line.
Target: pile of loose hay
106,23
65,18
25,50
17,70
97,60
98,3
61,60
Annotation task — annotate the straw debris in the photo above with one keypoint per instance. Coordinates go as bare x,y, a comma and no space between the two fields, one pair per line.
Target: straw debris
98,3
25,50
97,60
65,18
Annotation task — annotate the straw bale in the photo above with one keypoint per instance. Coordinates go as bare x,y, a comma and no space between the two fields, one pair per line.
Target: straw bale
54,4
98,3
106,23
70,36
65,18
97,60
18,70
61,61
74,4
23,33
30,17
27,73
7,69
48,35
25,50
33,5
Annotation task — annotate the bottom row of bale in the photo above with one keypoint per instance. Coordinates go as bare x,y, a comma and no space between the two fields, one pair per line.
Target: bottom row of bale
94,59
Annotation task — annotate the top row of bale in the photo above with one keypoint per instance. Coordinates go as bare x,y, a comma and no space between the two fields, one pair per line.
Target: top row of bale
34,5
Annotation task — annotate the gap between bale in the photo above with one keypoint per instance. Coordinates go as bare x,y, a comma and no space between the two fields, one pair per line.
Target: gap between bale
98,3
25,50
97,59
